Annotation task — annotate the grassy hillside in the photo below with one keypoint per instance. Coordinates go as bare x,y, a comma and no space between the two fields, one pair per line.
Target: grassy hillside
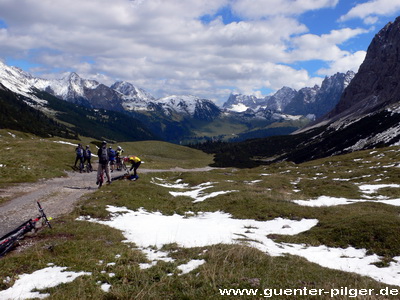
97,123
163,155
262,193
67,120
28,158
15,114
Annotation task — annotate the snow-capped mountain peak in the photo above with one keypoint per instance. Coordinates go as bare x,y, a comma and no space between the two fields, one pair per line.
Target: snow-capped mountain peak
189,105
309,100
70,86
240,102
18,81
181,104
124,96
130,91
133,98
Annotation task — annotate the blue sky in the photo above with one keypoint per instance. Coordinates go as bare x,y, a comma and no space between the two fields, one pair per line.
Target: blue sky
206,48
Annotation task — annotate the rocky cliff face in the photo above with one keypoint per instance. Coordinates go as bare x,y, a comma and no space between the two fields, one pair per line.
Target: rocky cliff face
240,102
281,99
330,93
319,101
368,113
376,84
315,100
300,103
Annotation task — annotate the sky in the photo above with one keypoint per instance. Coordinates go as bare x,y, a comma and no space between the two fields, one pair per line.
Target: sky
205,48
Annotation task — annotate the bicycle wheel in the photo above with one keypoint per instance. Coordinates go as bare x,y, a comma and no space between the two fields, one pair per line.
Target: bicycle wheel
8,241
6,246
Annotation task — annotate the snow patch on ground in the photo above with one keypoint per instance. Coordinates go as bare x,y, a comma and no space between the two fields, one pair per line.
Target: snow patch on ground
191,265
195,192
152,229
66,143
367,189
29,285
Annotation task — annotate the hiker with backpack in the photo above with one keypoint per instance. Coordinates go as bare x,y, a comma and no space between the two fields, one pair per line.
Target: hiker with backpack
87,154
111,157
79,157
102,153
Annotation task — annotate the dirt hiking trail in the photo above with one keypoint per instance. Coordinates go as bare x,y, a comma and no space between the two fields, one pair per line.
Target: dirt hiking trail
57,196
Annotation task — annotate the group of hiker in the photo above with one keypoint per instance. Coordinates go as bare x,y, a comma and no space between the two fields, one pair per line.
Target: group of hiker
109,159
83,156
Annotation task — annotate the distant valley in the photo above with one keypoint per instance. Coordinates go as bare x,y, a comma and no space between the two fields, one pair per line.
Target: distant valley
186,118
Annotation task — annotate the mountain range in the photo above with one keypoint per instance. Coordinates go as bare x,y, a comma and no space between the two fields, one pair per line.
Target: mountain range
316,101
25,108
187,118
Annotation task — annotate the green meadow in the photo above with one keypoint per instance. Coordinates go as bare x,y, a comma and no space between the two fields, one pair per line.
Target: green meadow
263,193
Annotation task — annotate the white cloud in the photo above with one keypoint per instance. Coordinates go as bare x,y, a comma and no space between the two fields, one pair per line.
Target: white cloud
350,61
261,8
165,48
325,46
371,9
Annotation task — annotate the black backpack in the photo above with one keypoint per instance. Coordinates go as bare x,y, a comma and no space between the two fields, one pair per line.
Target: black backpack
87,153
103,158
79,152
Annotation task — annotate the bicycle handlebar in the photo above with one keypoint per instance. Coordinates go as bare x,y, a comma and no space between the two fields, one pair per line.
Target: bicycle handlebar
43,215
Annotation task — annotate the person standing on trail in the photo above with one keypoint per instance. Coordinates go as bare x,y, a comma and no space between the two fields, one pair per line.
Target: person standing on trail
102,153
111,157
135,161
87,157
79,157
118,155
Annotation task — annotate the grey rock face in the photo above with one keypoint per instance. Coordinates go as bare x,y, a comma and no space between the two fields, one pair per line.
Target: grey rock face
377,82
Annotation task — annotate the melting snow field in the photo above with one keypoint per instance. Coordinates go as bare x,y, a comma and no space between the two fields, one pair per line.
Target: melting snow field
197,192
149,231
367,189
27,285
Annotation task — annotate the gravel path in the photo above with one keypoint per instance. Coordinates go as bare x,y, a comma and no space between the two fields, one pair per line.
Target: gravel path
57,196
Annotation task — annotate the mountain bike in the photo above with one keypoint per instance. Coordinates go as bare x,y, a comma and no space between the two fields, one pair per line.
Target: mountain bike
125,161
121,166
8,241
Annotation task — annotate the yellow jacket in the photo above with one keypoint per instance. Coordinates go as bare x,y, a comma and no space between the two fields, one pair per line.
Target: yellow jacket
134,159
119,152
